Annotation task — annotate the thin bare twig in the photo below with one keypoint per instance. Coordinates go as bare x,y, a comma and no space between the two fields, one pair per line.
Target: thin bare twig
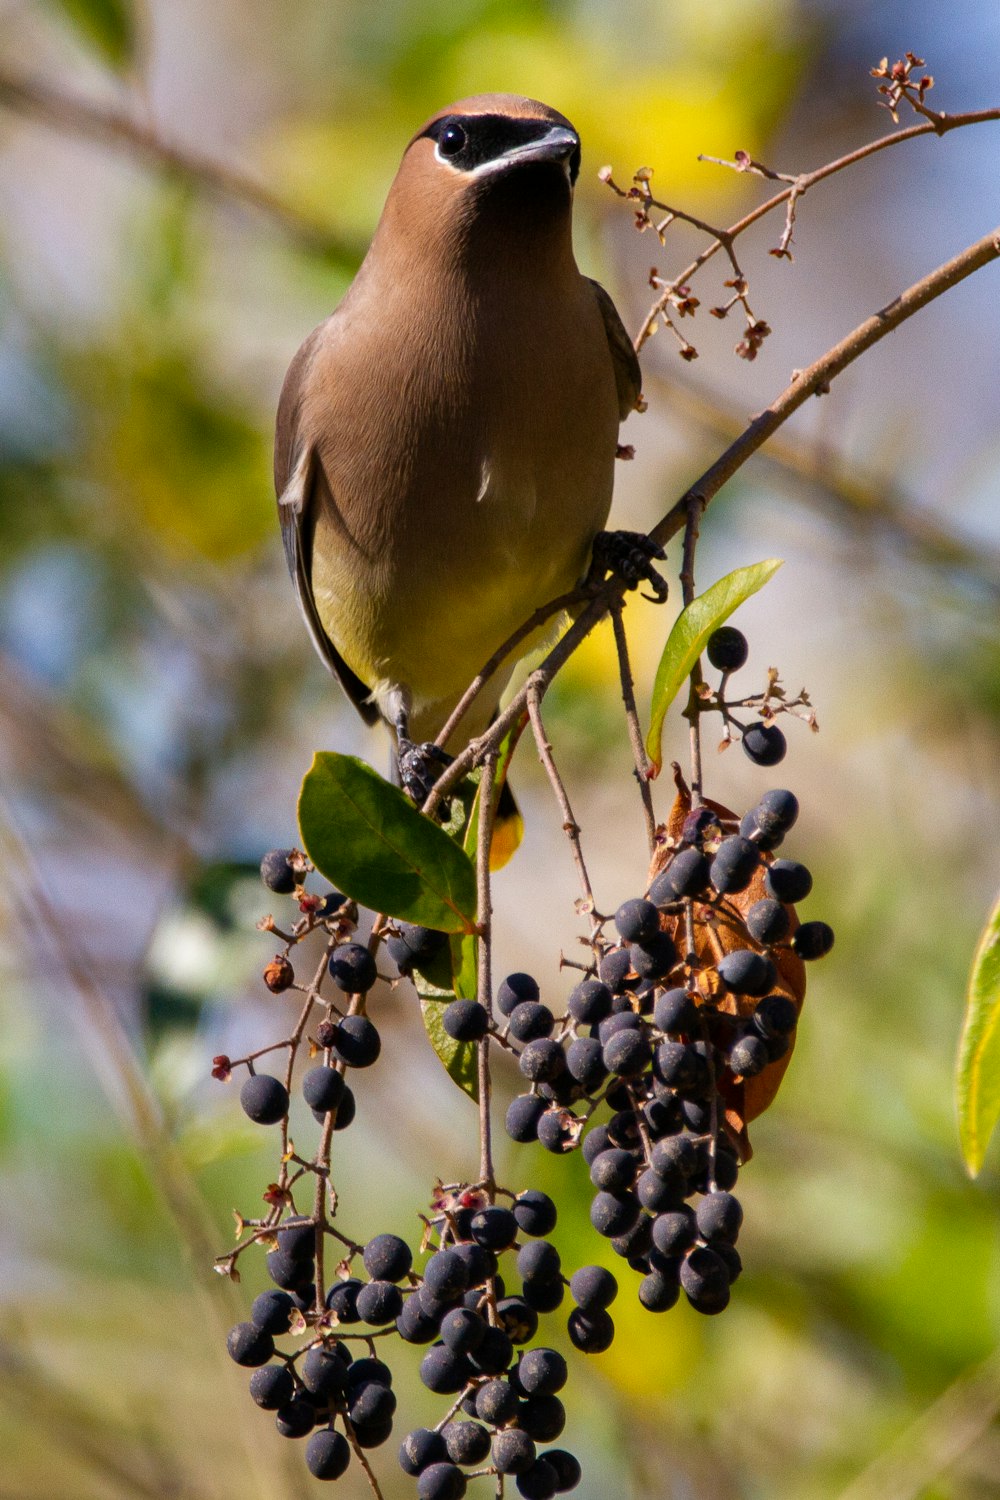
797,187
570,825
632,719
484,970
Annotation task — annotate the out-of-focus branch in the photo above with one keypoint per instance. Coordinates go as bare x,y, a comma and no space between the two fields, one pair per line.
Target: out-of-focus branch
122,131
839,489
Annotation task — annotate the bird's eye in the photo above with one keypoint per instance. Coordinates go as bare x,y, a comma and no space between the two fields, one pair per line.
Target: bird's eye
453,138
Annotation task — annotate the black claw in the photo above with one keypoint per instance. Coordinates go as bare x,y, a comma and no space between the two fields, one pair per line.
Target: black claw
419,768
629,555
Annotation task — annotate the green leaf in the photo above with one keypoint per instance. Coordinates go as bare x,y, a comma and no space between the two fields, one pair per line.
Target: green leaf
687,639
111,26
977,1084
460,1059
367,838
465,965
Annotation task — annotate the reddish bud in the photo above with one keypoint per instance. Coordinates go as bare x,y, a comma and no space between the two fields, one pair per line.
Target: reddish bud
326,1033
277,1196
222,1068
309,905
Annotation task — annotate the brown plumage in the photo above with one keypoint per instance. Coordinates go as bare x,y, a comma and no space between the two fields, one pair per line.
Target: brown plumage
446,440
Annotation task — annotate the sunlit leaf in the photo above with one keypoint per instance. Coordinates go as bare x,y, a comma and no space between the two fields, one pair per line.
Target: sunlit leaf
369,840
110,26
687,640
977,1085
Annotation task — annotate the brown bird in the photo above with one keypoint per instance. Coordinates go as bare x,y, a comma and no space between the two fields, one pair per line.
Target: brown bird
446,440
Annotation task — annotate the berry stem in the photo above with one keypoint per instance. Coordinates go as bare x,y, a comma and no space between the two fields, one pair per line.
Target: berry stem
570,825
695,509
484,977
632,719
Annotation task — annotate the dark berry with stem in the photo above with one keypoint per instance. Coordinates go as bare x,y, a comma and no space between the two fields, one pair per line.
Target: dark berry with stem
342,1299
593,1288
264,1099
494,1353
687,873
613,1170
627,1054
534,1213
443,1371
655,958
745,972
589,1002
530,1020
591,1332
295,1419
323,1088
542,1371
675,1231
328,1454
249,1345
466,1020
705,1280
637,921
513,1451
747,1057
463,1330
324,1372
387,1257
272,1311
775,1015
466,1442
614,968
540,1482
613,1213
658,1293
675,1012
813,940
764,743
352,968
542,1417
443,1481
346,1110
420,1448
496,1402
727,649
276,871
734,864
357,1042
523,1115
585,1064
787,881
272,1386
379,1302
446,1274
719,1217
777,811
540,1260
567,1467
767,922
542,1061
513,990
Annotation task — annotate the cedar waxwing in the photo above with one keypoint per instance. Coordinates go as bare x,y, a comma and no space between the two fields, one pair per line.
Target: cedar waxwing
446,440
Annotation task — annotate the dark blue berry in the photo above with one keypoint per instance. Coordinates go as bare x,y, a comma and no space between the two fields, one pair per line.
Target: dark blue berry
323,1088
813,940
465,1020
272,1386
590,1332
745,972
727,649
734,864
352,968
534,1213
264,1099
276,871
523,1115
787,881
515,989
249,1345
530,1020
637,921
357,1042
764,744
767,922
589,1002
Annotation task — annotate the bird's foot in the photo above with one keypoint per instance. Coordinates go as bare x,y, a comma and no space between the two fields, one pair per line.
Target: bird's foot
419,768
629,555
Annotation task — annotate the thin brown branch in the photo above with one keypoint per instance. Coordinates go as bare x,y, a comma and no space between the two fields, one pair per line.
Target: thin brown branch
839,489
632,719
571,828
809,382
940,125
484,969
541,616
120,130
695,511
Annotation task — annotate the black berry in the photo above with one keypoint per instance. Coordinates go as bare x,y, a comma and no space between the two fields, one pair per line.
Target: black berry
264,1099
727,648
764,744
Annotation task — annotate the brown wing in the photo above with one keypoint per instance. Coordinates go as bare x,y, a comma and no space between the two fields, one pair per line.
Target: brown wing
628,376
297,473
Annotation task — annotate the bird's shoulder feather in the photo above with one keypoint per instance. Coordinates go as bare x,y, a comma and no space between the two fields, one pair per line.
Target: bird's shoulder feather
628,376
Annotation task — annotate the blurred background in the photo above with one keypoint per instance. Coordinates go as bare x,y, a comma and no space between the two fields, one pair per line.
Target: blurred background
187,190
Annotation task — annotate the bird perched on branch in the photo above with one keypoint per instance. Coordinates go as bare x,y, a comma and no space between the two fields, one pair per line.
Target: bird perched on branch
446,440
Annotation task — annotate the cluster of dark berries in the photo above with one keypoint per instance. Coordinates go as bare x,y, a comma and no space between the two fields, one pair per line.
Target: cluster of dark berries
503,1403
695,1001
504,1410
762,740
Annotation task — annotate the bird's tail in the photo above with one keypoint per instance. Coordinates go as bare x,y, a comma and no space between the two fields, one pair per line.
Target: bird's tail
508,828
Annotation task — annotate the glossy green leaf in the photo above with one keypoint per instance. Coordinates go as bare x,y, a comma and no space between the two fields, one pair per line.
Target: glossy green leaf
110,26
687,640
465,965
367,838
977,1084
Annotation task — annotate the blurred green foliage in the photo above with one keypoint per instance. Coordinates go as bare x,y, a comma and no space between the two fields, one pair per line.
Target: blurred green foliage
160,704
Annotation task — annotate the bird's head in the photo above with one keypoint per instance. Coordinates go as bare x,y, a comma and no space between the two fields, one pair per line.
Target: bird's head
502,162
